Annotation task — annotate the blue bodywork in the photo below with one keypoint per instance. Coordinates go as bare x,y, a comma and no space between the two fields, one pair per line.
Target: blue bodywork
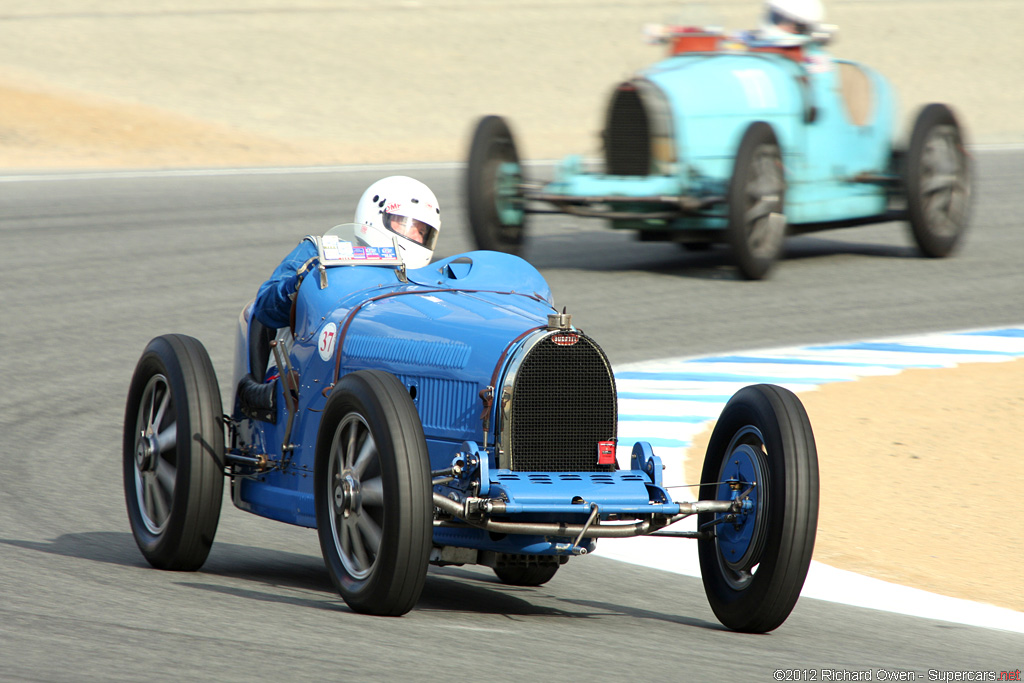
446,332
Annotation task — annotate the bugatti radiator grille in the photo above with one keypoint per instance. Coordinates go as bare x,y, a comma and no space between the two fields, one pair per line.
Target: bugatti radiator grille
627,143
562,404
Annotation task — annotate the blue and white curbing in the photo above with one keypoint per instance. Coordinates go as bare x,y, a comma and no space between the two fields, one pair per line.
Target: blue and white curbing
668,402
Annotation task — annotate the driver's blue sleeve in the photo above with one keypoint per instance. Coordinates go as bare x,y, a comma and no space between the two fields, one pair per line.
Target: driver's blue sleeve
274,299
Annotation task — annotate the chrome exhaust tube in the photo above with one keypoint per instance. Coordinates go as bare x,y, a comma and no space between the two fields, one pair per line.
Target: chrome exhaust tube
595,530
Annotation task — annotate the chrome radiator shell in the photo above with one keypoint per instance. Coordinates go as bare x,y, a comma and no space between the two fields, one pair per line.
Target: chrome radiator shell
557,402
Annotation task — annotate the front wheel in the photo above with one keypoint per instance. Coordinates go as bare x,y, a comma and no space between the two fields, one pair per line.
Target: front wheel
373,497
937,178
496,203
756,226
754,564
173,453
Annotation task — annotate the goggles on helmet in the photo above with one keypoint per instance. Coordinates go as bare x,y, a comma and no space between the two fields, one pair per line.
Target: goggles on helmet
411,229
777,17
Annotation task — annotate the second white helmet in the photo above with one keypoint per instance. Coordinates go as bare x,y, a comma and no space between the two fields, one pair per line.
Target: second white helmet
805,15
403,209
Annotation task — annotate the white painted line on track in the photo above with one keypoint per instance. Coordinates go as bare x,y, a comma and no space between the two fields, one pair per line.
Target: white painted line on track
223,172
668,402
8,176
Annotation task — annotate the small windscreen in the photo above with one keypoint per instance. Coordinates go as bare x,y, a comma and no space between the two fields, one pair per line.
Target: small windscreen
342,246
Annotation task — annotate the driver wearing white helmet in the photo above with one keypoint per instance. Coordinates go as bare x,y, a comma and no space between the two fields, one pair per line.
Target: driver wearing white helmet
790,22
404,207
795,24
394,207
794,16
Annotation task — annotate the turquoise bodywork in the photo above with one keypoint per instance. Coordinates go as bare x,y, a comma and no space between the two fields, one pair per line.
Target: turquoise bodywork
710,98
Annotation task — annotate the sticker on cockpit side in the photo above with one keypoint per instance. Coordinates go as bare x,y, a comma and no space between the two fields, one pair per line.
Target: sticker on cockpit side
336,249
328,338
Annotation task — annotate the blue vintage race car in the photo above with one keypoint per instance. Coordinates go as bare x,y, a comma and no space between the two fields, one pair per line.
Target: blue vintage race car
740,142
451,415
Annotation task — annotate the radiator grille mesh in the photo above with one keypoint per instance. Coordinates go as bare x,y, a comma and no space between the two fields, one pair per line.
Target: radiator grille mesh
563,403
627,142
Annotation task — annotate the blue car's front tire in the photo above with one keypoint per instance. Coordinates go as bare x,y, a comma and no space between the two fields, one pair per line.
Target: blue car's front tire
754,564
373,496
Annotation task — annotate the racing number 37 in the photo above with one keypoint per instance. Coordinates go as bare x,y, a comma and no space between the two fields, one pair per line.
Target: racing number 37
328,338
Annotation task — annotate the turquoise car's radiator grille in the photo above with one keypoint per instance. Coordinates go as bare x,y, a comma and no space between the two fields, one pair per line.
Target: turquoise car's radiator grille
627,134
563,403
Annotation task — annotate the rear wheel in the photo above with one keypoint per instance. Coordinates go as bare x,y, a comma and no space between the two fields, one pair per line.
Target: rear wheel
514,571
493,176
756,225
754,565
373,494
937,178
173,453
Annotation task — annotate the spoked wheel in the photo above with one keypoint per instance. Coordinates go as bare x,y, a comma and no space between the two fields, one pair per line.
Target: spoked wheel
497,212
173,453
756,225
509,571
937,177
754,565
373,496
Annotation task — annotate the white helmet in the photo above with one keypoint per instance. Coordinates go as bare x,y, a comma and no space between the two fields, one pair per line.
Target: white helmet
805,15
403,208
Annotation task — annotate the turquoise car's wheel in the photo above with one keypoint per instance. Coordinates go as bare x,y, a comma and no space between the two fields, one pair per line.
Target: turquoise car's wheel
496,204
373,494
937,177
173,453
754,563
757,190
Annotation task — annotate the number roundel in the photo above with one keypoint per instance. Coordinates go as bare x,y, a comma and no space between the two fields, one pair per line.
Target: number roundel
328,339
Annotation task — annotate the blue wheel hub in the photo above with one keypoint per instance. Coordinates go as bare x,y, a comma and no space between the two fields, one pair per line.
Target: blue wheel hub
742,476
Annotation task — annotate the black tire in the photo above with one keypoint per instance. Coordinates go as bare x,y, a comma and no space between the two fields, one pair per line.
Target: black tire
493,175
374,506
514,574
173,453
937,181
753,568
757,189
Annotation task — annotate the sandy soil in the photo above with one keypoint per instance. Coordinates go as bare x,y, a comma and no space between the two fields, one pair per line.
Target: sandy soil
46,128
210,82
908,463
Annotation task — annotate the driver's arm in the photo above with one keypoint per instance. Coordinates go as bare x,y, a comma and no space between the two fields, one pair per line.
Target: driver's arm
274,299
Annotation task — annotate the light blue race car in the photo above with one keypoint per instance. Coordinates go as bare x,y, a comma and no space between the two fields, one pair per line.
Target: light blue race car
739,142
450,415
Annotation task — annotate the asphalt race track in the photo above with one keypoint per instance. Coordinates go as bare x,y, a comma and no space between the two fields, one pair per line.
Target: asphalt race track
92,266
